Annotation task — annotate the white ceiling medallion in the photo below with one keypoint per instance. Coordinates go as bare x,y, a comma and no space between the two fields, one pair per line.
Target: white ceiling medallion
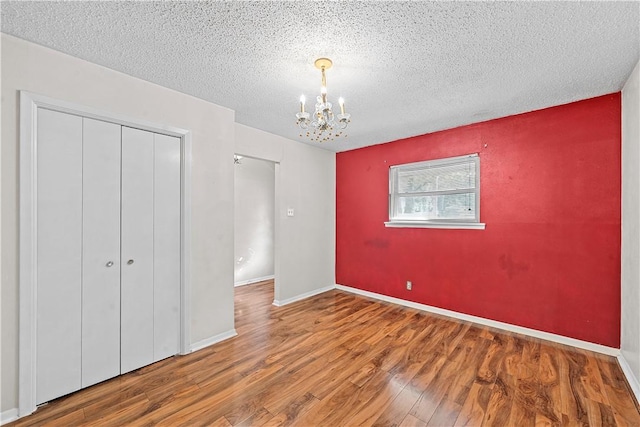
324,125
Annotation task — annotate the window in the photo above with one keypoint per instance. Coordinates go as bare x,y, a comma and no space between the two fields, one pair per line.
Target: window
443,193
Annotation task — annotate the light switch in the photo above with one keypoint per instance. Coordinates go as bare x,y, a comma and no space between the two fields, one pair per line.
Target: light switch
289,211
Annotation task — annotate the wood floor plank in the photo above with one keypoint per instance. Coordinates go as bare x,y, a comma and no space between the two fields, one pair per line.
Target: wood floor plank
113,403
473,348
411,421
220,422
259,418
574,396
338,359
398,408
370,412
431,398
525,393
343,405
622,401
72,418
475,406
499,407
129,415
549,386
214,405
295,410
592,381
279,398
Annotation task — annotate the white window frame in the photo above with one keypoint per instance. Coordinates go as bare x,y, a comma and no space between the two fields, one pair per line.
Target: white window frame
394,195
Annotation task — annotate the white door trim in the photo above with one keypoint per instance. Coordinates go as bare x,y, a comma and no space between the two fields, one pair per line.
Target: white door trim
29,104
276,226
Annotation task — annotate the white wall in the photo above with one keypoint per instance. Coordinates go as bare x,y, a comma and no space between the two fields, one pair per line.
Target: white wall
26,66
254,211
630,315
305,181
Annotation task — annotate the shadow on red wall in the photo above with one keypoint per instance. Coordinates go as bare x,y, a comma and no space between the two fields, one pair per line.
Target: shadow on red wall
549,258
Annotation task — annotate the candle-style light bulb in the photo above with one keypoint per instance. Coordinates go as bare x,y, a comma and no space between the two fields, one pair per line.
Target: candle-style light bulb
341,102
302,100
323,92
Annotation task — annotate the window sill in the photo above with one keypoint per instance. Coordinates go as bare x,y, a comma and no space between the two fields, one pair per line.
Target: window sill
425,224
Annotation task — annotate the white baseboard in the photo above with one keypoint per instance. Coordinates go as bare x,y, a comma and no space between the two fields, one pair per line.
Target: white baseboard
213,340
280,303
631,378
8,416
488,322
252,281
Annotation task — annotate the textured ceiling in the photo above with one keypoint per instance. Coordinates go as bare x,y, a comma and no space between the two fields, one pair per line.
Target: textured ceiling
404,68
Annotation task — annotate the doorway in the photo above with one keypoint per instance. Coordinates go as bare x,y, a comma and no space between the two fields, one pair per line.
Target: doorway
254,220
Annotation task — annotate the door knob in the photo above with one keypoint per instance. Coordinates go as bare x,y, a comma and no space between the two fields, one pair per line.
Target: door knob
109,264
130,262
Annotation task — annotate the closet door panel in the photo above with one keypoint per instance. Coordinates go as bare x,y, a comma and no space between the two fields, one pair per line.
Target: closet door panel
101,252
59,254
137,249
166,247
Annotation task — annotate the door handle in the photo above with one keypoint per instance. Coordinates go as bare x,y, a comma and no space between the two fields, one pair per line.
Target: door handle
109,264
130,262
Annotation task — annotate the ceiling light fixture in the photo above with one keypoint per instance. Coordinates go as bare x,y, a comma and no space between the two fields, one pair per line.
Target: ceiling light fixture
323,126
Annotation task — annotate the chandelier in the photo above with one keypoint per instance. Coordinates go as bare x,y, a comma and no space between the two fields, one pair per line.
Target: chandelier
324,125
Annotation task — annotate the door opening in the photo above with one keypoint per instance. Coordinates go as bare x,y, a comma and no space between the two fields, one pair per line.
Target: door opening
254,220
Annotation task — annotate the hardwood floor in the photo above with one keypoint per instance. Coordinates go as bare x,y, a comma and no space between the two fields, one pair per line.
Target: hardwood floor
340,359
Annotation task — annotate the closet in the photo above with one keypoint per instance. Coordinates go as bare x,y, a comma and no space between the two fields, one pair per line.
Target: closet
108,251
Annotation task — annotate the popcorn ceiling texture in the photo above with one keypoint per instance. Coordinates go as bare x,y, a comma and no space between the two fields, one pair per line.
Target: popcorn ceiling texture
404,68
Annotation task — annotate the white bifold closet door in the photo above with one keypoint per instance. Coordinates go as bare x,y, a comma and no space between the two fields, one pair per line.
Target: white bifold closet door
166,246
100,251
137,248
108,257
150,247
59,255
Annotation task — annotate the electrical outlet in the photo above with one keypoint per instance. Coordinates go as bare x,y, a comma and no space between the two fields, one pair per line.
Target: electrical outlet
289,211
409,285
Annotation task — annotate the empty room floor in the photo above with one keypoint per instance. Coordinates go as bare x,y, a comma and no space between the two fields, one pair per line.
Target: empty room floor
338,359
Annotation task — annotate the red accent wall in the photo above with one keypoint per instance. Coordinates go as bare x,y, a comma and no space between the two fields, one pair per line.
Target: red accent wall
549,258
